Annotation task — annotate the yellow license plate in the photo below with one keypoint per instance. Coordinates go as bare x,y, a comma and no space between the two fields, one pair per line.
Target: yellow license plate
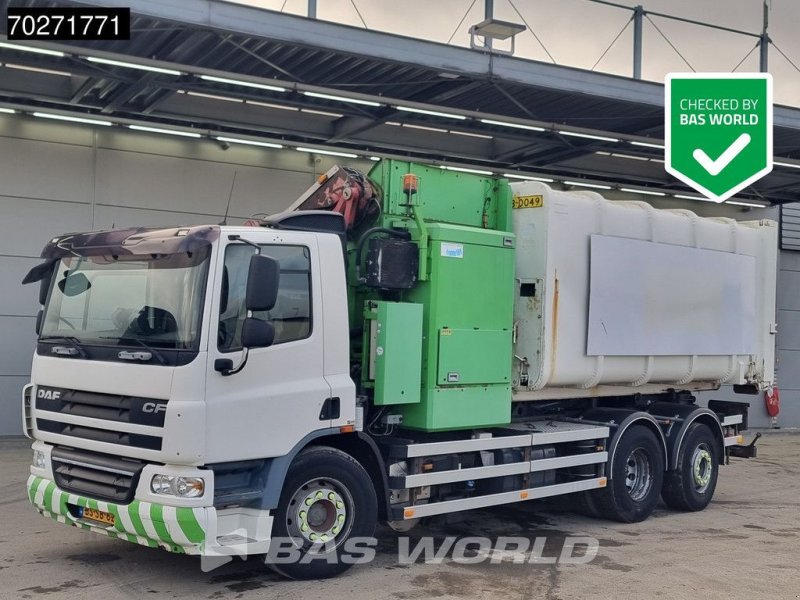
98,515
535,201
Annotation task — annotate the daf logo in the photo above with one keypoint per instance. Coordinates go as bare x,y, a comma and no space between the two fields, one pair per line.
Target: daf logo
154,407
48,394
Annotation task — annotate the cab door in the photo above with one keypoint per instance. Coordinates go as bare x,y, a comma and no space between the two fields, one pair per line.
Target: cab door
277,398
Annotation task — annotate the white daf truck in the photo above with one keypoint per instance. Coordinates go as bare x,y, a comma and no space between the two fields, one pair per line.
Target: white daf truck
411,344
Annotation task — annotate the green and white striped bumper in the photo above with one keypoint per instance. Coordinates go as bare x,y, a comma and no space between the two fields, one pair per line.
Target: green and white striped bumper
181,530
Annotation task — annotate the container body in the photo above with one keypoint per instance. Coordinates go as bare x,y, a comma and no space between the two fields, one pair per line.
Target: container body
614,296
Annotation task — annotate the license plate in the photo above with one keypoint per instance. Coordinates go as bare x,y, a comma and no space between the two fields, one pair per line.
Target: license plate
98,515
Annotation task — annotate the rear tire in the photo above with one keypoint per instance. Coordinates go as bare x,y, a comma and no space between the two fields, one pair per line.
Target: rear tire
327,499
691,485
636,477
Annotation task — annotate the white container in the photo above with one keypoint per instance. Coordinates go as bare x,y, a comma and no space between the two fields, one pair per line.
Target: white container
616,298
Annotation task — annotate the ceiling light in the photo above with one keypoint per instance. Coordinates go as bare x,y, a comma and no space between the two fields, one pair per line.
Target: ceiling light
128,65
211,96
588,136
470,134
514,125
166,131
648,145
321,112
375,158
341,99
268,105
700,198
750,204
497,29
527,177
783,164
260,86
249,142
589,185
72,119
424,128
31,49
7,111
629,156
38,70
645,192
466,170
432,113
329,152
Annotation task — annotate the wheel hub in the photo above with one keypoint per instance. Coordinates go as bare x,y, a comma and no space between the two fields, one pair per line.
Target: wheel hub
702,468
638,475
318,512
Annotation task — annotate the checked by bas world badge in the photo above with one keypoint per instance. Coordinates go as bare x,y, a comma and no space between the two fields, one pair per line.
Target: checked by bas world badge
718,130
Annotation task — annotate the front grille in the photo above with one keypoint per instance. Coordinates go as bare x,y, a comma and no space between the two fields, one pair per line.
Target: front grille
122,438
96,475
109,407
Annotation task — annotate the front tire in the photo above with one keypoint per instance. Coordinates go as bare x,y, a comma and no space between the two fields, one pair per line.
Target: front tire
636,477
327,499
691,485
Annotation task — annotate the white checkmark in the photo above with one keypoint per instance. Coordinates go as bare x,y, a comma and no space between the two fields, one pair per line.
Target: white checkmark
715,167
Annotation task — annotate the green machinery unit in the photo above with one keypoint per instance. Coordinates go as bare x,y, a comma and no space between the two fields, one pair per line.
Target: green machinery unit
434,287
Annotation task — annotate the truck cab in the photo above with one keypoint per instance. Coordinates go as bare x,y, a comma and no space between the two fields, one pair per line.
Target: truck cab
131,401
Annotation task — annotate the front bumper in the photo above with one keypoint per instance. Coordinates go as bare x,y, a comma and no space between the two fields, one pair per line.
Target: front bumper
176,529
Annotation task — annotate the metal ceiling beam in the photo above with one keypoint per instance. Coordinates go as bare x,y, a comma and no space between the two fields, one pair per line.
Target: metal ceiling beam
234,18
124,95
245,20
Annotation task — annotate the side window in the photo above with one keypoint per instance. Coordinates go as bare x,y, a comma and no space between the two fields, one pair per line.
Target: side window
291,315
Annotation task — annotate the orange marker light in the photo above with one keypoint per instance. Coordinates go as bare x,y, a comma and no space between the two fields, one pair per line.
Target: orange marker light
347,429
523,495
408,513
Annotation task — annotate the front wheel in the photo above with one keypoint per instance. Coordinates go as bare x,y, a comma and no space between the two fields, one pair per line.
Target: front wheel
691,485
327,499
636,477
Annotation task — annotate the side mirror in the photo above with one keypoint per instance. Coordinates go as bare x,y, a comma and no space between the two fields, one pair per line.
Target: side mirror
74,285
263,278
257,333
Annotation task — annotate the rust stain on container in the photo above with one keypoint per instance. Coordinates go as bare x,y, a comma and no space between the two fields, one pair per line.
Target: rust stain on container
554,331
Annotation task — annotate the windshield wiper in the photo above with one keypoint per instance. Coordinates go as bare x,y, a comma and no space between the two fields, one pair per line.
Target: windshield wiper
72,341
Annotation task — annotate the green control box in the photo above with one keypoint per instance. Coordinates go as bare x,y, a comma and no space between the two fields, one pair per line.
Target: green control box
467,323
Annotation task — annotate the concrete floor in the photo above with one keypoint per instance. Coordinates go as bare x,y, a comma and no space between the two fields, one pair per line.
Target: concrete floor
745,545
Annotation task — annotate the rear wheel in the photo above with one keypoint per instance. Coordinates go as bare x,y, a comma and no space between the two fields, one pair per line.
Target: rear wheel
691,485
327,500
636,476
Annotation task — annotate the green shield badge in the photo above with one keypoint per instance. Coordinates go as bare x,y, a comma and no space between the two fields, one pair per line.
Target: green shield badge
718,130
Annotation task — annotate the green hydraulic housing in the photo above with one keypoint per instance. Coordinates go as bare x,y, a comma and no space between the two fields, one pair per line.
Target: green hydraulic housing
440,353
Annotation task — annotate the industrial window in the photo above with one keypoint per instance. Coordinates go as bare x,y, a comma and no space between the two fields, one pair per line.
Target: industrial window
291,315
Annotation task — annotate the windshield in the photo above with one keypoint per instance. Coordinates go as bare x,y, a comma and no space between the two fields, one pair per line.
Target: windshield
153,300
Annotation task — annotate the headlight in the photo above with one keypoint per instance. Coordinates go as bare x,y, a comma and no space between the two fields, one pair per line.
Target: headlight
39,459
182,487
